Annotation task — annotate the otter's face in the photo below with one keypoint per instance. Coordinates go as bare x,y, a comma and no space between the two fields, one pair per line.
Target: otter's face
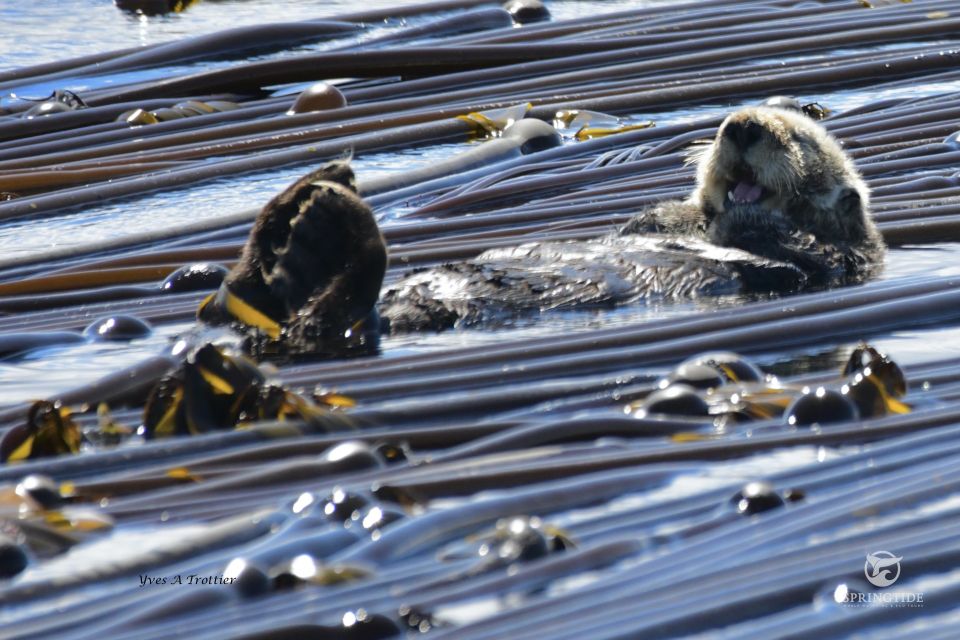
782,163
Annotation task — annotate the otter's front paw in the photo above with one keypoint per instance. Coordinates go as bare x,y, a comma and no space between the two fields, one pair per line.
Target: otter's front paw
680,217
641,223
750,227
313,248
303,240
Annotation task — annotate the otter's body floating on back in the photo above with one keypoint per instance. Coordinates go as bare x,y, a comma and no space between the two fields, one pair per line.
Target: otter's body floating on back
777,207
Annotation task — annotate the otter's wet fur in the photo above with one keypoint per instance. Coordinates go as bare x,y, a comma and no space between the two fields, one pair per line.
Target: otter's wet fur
314,262
778,207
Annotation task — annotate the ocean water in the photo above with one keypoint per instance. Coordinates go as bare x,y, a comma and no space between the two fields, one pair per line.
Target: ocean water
38,32
50,30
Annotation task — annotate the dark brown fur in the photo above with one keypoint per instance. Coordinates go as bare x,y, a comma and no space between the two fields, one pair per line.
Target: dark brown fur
315,258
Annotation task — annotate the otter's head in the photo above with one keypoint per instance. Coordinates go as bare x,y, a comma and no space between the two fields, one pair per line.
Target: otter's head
778,162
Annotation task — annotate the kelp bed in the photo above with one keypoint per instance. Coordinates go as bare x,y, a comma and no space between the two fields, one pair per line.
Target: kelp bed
496,489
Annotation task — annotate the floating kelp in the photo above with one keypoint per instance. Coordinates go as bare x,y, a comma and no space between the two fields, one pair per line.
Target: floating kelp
440,483
734,390
57,102
318,97
201,276
187,109
38,522
154,7
118,328
346,114
213,391
587,125
49,431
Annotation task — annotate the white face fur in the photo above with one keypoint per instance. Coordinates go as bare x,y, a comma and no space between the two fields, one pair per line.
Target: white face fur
783,162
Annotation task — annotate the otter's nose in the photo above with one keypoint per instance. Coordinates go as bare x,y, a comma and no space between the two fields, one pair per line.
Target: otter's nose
743,134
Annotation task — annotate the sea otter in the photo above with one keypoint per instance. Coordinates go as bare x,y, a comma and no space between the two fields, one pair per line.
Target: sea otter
775,174
311,269
777,207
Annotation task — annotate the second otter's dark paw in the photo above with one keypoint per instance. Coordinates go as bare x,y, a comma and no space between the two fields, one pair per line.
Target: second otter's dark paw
314,249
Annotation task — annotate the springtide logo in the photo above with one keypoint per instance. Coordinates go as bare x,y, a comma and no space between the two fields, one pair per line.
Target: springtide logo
882,568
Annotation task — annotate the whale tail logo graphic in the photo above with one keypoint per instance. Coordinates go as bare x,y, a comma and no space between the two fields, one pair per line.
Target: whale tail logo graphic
882,568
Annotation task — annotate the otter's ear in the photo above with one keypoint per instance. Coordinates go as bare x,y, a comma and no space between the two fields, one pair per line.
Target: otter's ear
850,203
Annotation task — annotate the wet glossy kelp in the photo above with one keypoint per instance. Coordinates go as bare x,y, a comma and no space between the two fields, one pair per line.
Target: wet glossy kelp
612,481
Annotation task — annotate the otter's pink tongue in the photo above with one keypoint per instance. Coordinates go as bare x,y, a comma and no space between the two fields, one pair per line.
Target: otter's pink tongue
747,192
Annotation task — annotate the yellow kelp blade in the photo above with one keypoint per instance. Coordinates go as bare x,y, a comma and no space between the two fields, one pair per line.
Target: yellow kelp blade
241,311
23,450
593,124
492,122
580,118
49,431
692,436
218,384
78,520
892,404
166,426
589,133
340,574
248,315
334,400
182,473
